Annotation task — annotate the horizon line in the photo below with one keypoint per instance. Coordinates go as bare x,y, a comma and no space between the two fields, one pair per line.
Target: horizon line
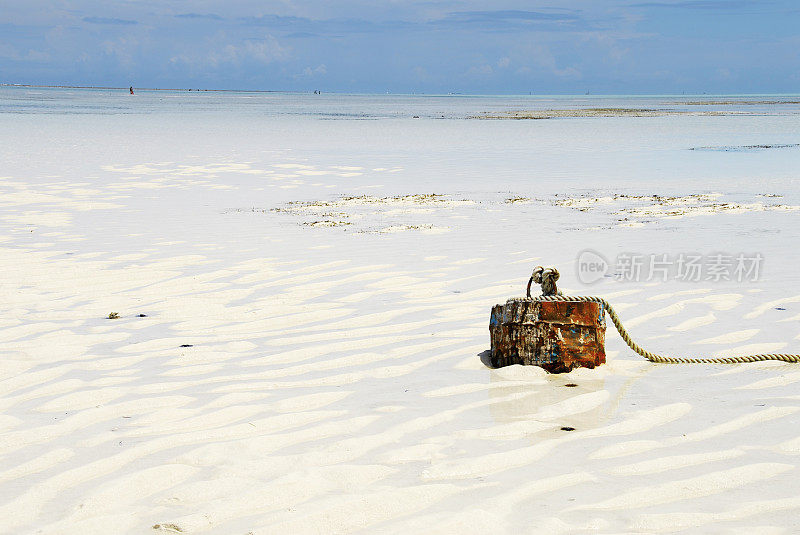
450,93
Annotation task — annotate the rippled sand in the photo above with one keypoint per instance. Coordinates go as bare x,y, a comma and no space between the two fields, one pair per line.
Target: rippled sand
266,375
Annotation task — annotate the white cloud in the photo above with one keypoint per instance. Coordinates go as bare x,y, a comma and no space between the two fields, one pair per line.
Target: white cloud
541,56
610,44
724,73
266,50
569,72
122,49
9,52
219,51
480,70
319,70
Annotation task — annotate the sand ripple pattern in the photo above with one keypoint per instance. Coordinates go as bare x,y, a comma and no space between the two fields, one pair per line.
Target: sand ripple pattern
304,391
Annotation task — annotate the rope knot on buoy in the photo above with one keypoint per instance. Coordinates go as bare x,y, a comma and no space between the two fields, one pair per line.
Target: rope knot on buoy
547,277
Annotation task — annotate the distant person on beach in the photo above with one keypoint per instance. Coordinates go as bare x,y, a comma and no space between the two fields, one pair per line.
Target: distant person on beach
131,90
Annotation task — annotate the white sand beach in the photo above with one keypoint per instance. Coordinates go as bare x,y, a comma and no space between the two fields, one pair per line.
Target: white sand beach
303,302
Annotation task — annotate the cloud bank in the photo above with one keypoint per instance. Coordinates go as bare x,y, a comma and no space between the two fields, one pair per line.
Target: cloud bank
433,47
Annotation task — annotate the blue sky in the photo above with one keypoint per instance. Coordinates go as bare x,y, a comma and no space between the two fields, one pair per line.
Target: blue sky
434,46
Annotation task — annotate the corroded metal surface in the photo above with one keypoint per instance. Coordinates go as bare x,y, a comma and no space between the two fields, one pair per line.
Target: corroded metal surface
556,335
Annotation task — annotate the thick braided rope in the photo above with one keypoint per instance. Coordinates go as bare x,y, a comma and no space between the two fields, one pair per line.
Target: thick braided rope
547,277
653,357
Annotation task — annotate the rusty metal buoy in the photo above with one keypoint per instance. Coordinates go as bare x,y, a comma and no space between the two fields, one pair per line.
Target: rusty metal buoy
555,335
561,332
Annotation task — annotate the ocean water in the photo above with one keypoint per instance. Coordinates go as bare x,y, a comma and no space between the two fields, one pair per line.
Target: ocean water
441,145
357,106
260,151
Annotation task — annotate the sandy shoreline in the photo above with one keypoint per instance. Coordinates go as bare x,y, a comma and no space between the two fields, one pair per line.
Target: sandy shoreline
293,377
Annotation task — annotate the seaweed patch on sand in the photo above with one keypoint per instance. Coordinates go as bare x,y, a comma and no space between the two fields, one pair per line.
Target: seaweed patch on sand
372,214
326,223
597,112
426,212
519,200
737,102
746,148
637,210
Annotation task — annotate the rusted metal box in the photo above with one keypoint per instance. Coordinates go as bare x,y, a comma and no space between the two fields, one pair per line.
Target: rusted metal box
556,335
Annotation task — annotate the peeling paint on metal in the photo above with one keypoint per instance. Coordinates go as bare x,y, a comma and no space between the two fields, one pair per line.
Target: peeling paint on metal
556,335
